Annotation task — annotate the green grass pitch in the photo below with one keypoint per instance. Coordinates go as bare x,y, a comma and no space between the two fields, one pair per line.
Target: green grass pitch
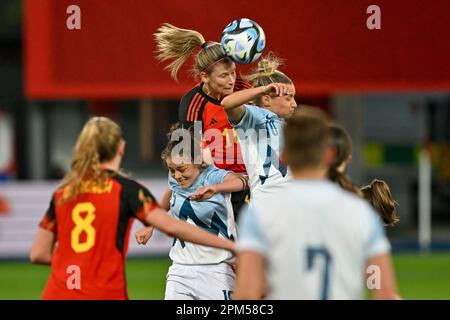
418,277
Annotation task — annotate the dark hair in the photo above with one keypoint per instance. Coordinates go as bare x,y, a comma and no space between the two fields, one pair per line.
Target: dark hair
340,141
379,195
176,136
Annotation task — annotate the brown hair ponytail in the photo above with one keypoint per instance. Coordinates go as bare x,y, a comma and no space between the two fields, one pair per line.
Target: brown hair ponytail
379,195
342,180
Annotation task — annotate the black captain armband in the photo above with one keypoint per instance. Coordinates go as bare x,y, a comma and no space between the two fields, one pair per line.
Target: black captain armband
244,182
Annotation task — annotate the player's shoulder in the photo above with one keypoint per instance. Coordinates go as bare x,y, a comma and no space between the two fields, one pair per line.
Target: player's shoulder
211,172
241,84
341,195
211,168
259,113
59,192
187,98
194,103
357,211
197,96
350,197
354,204
254,109
127,183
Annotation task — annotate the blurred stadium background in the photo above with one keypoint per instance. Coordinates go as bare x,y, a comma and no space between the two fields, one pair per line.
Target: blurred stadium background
390,88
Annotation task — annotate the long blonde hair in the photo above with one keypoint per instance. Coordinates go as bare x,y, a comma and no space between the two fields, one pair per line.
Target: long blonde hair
178,44
266,73
97,143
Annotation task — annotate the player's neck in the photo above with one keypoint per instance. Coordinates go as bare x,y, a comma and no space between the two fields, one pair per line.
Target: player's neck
211,93
309,174
113,165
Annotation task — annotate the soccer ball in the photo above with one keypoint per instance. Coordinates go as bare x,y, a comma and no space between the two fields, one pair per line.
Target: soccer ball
243,40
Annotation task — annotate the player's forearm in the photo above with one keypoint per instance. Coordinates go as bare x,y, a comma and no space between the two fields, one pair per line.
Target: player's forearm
250,277
43,246
194,234
234,184
42,259
241,97
387,289
161,220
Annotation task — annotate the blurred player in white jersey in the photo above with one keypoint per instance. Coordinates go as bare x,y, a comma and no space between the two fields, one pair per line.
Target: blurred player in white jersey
201,195
312,240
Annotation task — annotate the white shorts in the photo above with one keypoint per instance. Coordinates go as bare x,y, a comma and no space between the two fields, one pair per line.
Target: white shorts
199,282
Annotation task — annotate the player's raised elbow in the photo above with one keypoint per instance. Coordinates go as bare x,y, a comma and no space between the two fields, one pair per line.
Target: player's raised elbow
225,103
229,105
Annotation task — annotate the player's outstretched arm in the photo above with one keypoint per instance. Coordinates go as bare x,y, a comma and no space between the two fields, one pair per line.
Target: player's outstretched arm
233,182
42,248
161,220
233,104
387,288
250,279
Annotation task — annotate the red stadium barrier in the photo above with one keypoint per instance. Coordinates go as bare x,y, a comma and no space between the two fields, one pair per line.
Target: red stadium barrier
326,44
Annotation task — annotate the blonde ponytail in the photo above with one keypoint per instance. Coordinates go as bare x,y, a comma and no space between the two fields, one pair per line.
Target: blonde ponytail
267,72
178,44
98,143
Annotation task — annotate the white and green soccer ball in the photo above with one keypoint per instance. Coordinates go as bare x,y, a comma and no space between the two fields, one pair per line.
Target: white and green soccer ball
243,40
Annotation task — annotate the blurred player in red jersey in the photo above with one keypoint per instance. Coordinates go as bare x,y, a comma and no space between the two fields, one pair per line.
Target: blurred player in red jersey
84,234
217,74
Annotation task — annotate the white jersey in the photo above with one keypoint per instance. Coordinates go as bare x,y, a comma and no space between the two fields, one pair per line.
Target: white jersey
214,215
316,238
260,134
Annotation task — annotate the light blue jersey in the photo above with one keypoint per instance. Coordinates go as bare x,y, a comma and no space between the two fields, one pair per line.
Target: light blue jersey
214,215
260,134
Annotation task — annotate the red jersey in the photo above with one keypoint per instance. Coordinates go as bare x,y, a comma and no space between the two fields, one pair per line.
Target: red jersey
92,233
198,106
